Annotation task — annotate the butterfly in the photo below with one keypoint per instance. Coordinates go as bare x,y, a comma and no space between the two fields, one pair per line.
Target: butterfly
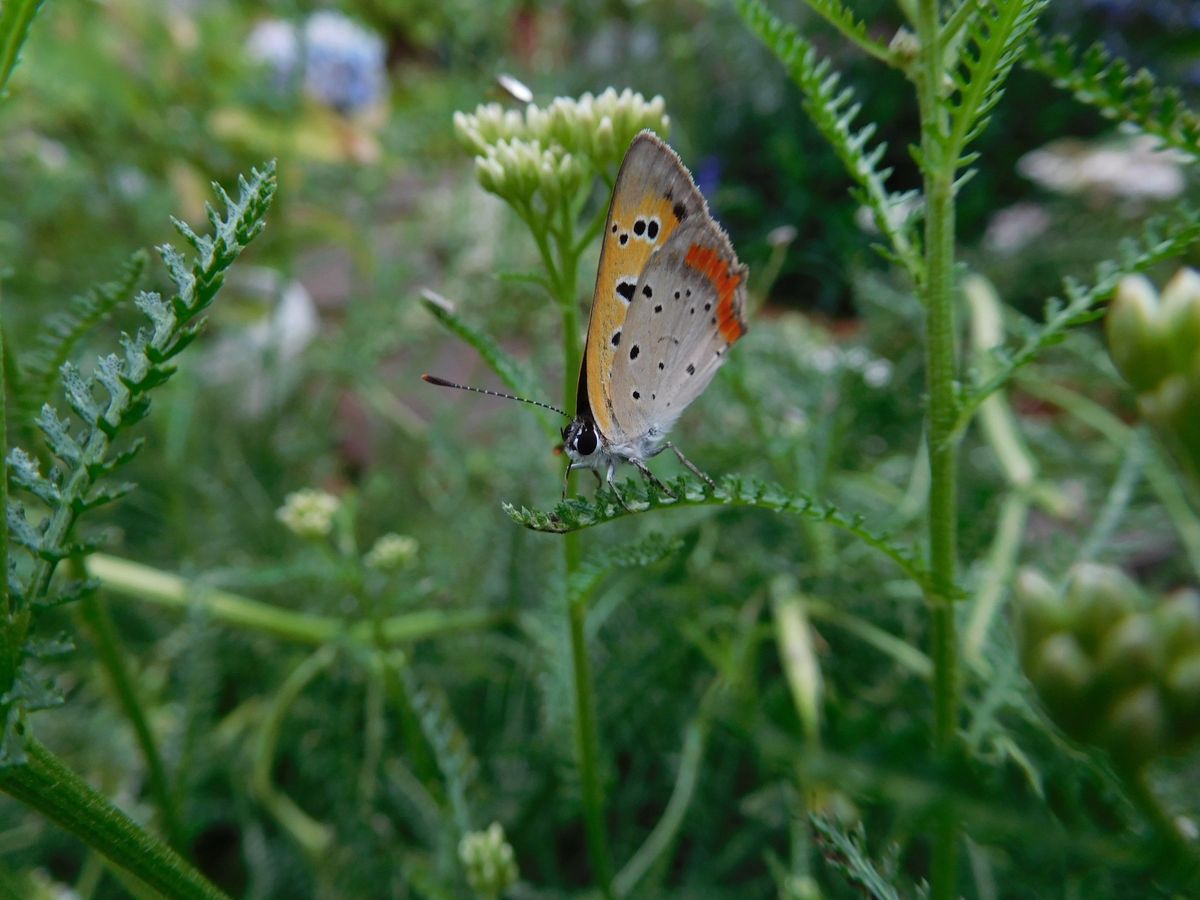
669,303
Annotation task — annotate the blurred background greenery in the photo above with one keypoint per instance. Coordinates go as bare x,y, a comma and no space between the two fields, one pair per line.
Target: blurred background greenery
120,115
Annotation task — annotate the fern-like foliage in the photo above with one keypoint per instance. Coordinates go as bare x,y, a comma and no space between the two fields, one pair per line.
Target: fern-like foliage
845,852
16,16
85,451
841,17
1110,85
451,749
832,109
592,573
64,330
575,514
1159,241
994,39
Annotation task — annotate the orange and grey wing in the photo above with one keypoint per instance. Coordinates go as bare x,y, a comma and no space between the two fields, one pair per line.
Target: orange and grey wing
688,310
653,196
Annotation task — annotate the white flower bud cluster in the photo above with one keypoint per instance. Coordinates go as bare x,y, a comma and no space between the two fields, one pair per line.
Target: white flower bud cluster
554,150
391,552
308,513
488,860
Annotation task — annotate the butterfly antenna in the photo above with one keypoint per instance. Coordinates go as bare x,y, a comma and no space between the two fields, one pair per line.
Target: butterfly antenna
442,382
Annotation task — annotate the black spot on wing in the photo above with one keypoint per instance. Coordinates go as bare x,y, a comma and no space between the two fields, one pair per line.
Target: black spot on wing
616,338
624,239
637,395
658,308
634,351
680,212
625,289
639,227
691,369
652,229
647,290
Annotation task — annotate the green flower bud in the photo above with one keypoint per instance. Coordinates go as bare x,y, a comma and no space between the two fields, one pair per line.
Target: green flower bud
1132,652
1134,330
1062,674
488,860
1098,596
1183,697
308,513
1178,618
1135,730
1180,318
1040,611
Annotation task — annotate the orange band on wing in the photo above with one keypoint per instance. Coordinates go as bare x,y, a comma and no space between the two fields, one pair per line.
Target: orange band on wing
708,262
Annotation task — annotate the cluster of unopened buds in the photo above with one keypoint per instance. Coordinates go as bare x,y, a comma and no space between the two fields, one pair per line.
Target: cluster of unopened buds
549,152
1155,342
488,861
1112,667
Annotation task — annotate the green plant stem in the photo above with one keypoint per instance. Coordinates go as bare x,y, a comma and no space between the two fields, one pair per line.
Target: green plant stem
563,276
941,376
8,652
140,582
112,656
51,788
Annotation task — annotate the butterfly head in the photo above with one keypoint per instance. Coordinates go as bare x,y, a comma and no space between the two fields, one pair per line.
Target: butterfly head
581,440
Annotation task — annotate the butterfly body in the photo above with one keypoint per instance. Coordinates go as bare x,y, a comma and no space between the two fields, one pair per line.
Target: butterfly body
668,305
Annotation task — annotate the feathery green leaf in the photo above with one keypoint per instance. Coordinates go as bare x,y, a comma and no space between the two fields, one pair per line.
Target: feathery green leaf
1109,84
1159,241
833,110
575,514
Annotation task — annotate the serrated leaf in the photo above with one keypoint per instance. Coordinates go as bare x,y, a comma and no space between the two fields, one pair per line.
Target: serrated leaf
587,579
832,112
62,333
79,394
575,514
58,436
1108,83
24,473
1061,317
67,592
48,648
845,852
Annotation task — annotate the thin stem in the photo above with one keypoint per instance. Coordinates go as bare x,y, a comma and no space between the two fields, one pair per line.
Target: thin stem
112,656
941,376
857,36
130,579
51,788
587,743
8,632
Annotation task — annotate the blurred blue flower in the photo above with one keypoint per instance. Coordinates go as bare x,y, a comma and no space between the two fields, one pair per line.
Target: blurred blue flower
274,45
344,65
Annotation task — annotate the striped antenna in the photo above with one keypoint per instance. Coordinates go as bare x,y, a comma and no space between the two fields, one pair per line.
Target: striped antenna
442,382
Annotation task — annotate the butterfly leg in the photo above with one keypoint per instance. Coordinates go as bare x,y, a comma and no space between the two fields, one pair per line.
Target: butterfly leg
691,467
567,478
613,485
651,477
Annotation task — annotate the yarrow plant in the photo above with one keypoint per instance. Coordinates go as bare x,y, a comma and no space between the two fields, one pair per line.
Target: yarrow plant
958,58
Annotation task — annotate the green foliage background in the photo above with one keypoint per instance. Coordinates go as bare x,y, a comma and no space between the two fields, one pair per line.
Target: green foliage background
353,769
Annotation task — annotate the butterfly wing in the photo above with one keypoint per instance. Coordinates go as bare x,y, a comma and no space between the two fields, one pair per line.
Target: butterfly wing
653,195
686,313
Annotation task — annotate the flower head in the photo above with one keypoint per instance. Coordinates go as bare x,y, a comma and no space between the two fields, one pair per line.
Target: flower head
488,860
344,62
391,552
549,152
308,513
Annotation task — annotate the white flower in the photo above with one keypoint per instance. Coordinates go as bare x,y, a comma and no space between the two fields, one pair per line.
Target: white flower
1128,167
308,513
488,860
392,551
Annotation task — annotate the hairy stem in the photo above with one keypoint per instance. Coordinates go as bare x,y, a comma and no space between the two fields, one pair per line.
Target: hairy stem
51,788
941,375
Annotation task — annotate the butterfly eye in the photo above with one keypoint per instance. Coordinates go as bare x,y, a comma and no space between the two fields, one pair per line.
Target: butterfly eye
585,442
